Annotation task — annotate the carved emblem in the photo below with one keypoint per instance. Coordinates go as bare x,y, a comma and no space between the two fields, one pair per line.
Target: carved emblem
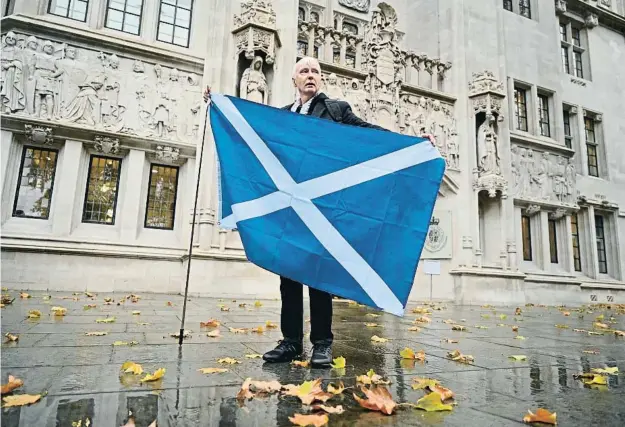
560,6
255,30
437,238
107,145
532,210
167,154
591,20
359,5
38,134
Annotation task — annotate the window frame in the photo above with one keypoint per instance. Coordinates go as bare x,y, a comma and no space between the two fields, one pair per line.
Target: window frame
517,115
552,226
84,205
576,48
591,146
507,5
19,181
158,24
566,63
577,250
526,237
543,114
106,17
566,124
147,201
601,240
525,6
68,10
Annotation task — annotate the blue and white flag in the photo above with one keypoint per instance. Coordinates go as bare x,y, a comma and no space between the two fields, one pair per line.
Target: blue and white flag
339,208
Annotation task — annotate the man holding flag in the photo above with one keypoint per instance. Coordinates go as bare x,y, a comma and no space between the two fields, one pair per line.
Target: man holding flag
312,102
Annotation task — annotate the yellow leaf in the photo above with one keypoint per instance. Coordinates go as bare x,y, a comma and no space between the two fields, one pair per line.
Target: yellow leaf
270,325
59,311
258,330
518,358
371,325
560,326
307,392
519,337
228,361
107,320
214,334
89,295
541,416
89,306
376,338
329,409
157,375
407,353
600,318
371,378
254,356
11,385
339,363
96,334
316,420
211,323
34,314
433,403
596,379
485,316
619,333
258,304
132,368
11,337
20,399
590,351
301,363
422,383
459,357
606,371
24,295
600,325
423,319
414,329
338,389
117,343
238,330
503,316
212,370
108,299
372,315
136,313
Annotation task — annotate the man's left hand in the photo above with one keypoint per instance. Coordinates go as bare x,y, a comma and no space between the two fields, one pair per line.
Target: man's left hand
430,137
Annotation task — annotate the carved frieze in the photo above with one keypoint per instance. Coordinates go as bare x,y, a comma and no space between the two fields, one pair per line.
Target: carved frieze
98,91
107,144
543,177
531,210
359,5
256,12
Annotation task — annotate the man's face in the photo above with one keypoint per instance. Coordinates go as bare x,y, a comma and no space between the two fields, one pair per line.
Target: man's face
307,78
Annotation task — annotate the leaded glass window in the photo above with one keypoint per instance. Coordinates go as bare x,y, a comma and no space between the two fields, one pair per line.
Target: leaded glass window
174,22
543,109
525,8
72,9
553,242
526,231
124,15
35,184
102,187
601,250
520,108
162,190
577,257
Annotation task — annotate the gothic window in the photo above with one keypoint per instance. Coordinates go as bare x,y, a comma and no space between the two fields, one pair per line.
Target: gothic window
314,17
553,241
573,49
35,184
174,22
591,146
568,136
350,28
72,9
336,55
601,251
507,4
101,193
162,189
543,109
350,59
520,108
525,8
124,15
301,14
526,232
302,48
577,257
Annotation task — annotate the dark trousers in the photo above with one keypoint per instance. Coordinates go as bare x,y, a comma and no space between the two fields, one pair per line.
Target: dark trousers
292,316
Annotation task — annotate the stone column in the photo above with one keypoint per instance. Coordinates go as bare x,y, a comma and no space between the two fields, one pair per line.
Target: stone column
311,42
8,148
591,246
359,55
511,117
131,220
568,243
581,150
65,188
503,223
543,256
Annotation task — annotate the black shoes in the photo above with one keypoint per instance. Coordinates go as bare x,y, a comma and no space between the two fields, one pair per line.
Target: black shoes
286,351
322,355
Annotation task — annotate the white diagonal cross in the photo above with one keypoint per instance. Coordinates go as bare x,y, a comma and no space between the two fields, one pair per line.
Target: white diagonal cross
300,196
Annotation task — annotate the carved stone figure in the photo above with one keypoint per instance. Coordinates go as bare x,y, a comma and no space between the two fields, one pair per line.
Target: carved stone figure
112,111
541,178
85,108
570,177
453,151
559,181
357,98
488,153
73,73
107,145
333,88
163,108
359,5
515,157
46,76
254,84
29,57
12,80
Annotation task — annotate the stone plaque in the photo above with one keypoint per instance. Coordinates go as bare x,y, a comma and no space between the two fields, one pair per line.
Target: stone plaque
438,244
385,67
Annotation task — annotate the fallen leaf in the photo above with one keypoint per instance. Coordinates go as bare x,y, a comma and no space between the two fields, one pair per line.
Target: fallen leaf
228,361
414,329
258,304
600,325
449,322
619,333
408,353
242,305
307,392
541,416
130,343
238,330
515,329
270,325
459,357
265,386
443,392
423,319
11,337
339,363
157,375
24,295
212,370
59,311
503,316
258,330
315,420
517,311
590,351
594,379
132,368
34,314
253,356
372,315
170,304
11,385
580,330
518,358
566,313
143,323
449,341
108,299
519,337
211,323
485,316
20,399
371,378
371,325
329,409
214,334
376,338
107,320
89,295
185,334
458,328
378,399
606,371
433,403
89,306
560,326
423,383
421,310
481,327
96,334
336,389
136,313
600,318
245,393
225,309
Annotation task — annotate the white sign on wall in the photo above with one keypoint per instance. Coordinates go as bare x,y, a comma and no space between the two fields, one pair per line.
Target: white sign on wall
433,268
439,241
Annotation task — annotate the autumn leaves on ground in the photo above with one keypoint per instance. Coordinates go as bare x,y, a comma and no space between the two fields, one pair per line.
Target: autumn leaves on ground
318,402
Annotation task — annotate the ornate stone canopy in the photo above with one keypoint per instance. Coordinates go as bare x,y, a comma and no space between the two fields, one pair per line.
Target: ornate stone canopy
255,30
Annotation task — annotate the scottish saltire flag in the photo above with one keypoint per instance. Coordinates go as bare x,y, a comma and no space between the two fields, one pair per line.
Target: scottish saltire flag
339,208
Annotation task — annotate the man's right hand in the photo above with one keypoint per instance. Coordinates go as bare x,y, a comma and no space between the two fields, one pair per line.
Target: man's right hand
207,94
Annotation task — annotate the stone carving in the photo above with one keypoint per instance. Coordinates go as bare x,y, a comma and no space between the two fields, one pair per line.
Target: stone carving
532,210
487,94
359,5
487,149
543,176
12,80
559,213
38,134
605,3
591,20
106,144
560,6
257,12
438,244
254,84
97,90
167,154
255,30
333,89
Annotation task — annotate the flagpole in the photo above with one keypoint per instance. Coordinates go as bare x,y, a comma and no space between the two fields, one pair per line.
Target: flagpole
197,191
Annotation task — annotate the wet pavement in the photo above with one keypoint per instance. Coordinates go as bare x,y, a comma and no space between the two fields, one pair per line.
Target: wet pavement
80,375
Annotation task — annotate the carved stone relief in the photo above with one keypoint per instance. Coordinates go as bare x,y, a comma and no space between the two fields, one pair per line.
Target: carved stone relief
167,154
38,134
591,20
253,85
359,5
107,145
543,176
96,90
255,30
487,93
560,6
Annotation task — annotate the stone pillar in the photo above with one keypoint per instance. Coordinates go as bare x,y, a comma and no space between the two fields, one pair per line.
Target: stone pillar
8,148
131,203
343,49
581,149
311,42
568,244
503,216
358,56
591,247
543,256
65,188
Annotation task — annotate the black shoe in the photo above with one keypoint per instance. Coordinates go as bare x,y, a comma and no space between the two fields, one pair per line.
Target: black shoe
286,351
322,355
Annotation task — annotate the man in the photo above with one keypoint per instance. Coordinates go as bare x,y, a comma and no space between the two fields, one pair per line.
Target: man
310,101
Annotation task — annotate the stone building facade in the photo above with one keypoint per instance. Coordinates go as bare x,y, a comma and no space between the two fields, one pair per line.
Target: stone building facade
103,125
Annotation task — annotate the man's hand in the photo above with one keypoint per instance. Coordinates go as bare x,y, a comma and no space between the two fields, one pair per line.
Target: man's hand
207,94
430,137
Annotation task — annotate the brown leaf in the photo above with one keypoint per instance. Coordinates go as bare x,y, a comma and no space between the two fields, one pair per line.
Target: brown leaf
238,330
458,328
11,385
443,392
515,329
228,361
619,333
11,337
265,386
307,392
541,416
371,378
20,399
245,392
315,420
378,399
459,357
212,370
303,364
329,409
170,304
600,325
258,330
423,383
214,334
210,323
517,311
270,325
414,329
24,295
423,319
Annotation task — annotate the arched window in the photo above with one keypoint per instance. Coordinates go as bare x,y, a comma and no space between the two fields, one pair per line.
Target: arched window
350,28
314,17
301,14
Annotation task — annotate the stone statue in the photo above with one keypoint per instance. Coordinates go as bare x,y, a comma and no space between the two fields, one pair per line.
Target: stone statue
570,177
515,163
542,178
46,76
254,84
73,74
453,151
29,56
488,154
333,89
86,106
357,98
12,81
162,109
560,186
112,111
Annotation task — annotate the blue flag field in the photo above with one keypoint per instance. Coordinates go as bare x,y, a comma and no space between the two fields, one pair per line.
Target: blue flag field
339,208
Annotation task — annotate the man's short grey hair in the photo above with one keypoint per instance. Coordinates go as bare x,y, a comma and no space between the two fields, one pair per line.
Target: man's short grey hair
309,60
